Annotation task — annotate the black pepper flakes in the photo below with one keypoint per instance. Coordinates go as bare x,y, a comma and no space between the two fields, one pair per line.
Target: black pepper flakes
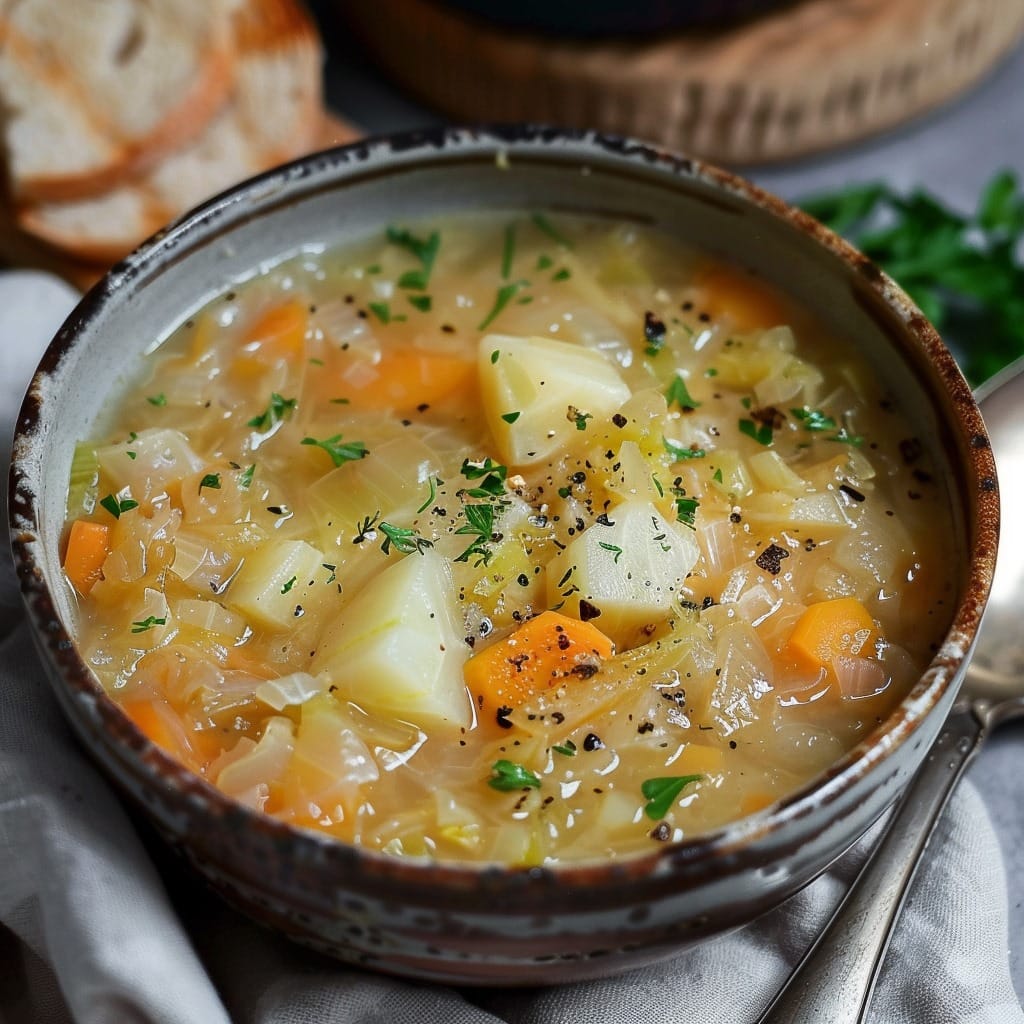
588,611
593,742
501,716
662,832
770,560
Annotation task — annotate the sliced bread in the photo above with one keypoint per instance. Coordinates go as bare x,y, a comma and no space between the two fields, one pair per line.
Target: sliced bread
95,90
274,114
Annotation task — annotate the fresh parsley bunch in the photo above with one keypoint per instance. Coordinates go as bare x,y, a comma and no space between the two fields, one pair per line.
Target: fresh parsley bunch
964,272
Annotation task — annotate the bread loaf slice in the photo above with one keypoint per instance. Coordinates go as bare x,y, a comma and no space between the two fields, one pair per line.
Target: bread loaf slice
95,90
274,114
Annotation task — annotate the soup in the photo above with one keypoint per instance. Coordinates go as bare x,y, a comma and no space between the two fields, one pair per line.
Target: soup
514,538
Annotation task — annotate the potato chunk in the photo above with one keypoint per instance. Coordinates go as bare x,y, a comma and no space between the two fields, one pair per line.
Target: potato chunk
398,647
541,386
624,575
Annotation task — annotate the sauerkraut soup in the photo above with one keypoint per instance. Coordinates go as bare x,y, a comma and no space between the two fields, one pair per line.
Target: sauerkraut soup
517,539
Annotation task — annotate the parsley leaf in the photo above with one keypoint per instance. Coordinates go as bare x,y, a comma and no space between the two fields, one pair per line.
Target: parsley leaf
434,482
543,224
505,295
211,480
508,776
661,793
116,506
353,451
157,400
423,249
760,432
680,452
490,474
614,548
677,393
480,526
274,413
148,623
404,540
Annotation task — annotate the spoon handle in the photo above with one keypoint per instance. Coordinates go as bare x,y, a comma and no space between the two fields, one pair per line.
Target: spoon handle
833,982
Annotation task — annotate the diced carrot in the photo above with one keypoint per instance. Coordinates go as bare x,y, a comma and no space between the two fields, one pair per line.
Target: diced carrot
278,334
754,802
748,302
88,547
697,759
155,724
408,377
543,652
830,628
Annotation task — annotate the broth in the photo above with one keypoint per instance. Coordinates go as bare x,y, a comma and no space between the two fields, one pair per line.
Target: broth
512,538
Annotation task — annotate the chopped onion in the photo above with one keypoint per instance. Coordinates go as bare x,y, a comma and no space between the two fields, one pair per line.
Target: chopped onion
859,677
290,690
264,763
211,617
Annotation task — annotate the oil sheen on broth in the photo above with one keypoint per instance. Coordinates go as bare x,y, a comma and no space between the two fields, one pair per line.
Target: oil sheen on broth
513,539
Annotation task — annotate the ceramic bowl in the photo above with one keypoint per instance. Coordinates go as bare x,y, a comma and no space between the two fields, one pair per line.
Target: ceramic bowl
448,921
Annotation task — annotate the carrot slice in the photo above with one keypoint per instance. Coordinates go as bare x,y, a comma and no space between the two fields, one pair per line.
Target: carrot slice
830,628
278,334
88,547
405,378
746,300
543,652
154,723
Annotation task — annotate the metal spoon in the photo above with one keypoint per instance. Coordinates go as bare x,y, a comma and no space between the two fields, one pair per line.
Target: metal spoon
833,982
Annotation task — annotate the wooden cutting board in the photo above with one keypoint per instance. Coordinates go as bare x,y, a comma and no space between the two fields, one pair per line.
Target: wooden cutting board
815,74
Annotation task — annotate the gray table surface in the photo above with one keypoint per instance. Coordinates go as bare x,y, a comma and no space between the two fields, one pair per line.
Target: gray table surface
952,152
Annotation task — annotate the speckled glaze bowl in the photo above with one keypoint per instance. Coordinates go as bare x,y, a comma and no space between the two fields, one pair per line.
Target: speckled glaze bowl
448,921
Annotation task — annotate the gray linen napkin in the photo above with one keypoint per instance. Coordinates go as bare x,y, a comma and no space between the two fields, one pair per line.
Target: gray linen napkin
94,930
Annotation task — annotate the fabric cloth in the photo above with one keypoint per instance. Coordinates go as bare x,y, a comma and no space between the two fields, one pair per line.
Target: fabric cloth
99,926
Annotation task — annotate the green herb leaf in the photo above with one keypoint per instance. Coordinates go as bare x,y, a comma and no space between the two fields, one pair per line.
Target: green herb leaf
434,482
543,224
422,302
566,749
505,294
561,275
661,793
491,475
494,356
686,508
117,506
352,451
404,540
614,548
510,417
423,249
544,262
157,400
814,419
680,452
508,776
760,432
480,526
211,480
245,477
288,586
381,310
148,623
678,394
274,413
654,333
579,418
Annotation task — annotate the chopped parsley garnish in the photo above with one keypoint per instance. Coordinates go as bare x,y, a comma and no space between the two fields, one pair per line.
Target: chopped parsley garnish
148,623
505,295
508,776
511,417
365,530
578,417
211,480
814,419
116,506
245,477
421,302
654,333
564,492
332,569
657,485
761,432
381,310
566,749
543,224
340,401
406,541
686,508
677,394
717,475
288,586
490,474
373,268
680,452
661,793
132,455
480,526
434,482
157,400
508,252
494,356
614,548
352,451
562,275
423,249
274,413
316,362
544,262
